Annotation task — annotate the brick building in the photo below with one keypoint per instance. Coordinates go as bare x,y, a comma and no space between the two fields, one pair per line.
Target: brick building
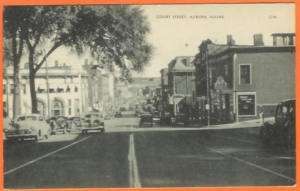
241,81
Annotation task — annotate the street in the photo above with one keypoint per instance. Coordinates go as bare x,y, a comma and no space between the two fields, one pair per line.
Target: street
127,96
143,158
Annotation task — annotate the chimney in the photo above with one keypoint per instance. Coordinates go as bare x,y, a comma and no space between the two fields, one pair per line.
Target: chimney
230,40
258,40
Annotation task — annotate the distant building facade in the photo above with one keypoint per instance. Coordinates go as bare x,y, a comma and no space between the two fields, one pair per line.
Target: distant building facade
60,90
137,92
242,81
101,93
181,81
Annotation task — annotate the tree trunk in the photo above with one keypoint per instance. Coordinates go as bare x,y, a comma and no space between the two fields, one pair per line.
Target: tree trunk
34,106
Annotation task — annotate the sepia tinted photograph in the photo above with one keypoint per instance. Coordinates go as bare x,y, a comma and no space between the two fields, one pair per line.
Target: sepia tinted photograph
149,96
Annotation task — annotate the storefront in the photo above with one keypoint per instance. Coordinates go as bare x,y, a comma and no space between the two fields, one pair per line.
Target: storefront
246,104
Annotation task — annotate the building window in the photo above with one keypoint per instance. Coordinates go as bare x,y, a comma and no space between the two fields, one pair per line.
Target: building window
57,107
41,107
76,89
76,107
24,88
245,74
51,90
59,90
226,70
70,105
68,89
4,89
11,88
247,104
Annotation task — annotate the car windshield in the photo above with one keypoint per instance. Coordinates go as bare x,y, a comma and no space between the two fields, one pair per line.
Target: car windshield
23,118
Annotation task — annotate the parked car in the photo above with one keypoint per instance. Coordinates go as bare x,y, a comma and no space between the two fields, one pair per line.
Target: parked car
33,126
7,125
59,124
156,119
92,122
118,114
146,120
180,119
166,118
282,130
76,121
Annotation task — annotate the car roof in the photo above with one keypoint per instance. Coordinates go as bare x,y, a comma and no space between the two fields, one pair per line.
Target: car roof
289,101
28,115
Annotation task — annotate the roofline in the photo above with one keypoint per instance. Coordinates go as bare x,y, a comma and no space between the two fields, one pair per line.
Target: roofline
283,34
254,49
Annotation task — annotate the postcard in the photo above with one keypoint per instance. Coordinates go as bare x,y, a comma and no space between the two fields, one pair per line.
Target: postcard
149,96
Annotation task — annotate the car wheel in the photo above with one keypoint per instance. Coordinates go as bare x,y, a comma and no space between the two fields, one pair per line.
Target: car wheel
266,135
36,138
19,140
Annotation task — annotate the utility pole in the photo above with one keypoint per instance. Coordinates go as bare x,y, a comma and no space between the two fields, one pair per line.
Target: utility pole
207,84
47,87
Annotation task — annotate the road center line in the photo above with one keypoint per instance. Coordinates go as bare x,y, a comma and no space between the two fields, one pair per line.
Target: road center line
254,165
44,156
134,178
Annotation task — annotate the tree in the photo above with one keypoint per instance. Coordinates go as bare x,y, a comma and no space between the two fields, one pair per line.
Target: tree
113,34
46,30
13,48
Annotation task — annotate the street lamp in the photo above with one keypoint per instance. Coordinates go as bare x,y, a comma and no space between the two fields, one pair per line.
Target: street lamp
208,105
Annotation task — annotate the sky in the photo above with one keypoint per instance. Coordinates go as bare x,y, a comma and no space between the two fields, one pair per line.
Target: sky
177,30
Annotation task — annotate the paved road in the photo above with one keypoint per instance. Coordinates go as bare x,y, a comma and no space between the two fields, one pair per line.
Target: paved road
148,159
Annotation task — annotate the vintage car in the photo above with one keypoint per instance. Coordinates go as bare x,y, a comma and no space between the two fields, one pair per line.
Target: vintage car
166,118
76,121
92,121
146,120
282,130
59,124
118,114
32,126
7,125
156,118
179,120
